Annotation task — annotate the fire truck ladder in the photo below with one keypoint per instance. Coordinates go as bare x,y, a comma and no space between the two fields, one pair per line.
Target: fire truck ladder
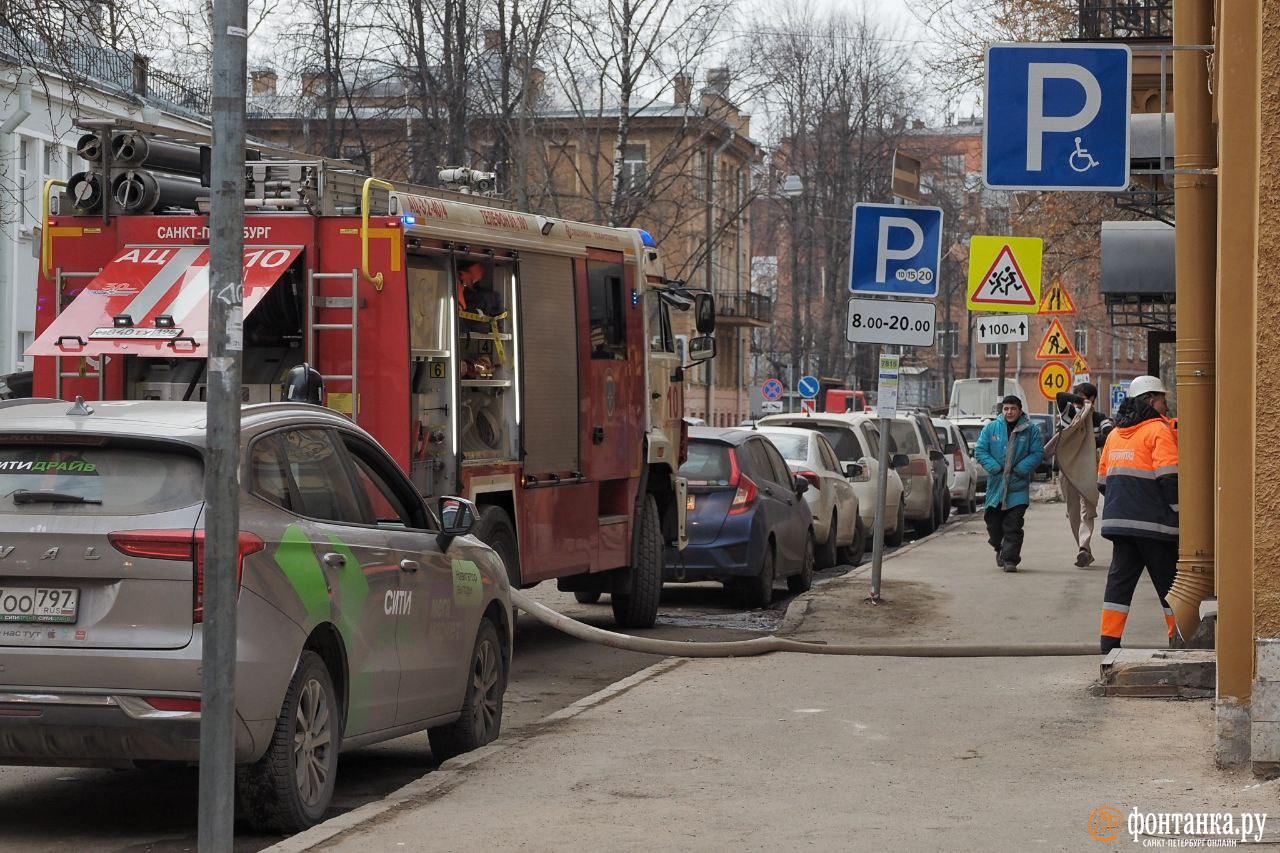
353,303
80,372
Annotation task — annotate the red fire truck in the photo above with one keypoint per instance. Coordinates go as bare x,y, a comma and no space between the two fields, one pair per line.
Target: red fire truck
524,362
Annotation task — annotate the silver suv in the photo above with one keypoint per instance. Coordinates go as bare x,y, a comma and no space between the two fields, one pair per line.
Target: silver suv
360,618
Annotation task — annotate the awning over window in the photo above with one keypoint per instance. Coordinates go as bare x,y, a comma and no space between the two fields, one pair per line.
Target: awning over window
154,301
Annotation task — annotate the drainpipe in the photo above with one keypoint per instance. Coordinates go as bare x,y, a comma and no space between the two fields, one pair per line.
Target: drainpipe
8,284
1195,200
713,181
1237,55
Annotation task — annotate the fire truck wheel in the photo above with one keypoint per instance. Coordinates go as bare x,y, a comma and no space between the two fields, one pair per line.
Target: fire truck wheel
639,608
496,530
587,597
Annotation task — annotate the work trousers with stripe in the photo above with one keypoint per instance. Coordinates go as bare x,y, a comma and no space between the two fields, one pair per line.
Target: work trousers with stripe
1129,556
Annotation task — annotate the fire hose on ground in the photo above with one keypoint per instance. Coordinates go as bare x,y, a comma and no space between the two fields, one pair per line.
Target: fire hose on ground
770,644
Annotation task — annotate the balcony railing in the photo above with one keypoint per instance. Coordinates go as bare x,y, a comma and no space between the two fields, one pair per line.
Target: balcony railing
754,309
1126,19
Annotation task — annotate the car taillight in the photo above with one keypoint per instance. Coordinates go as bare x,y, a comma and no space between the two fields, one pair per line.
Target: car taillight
172,703
917,468
746,492
812,477
958,459
182,545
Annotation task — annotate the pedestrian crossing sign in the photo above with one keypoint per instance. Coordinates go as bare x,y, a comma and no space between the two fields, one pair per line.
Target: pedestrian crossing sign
1057,300
1004,274
1055,344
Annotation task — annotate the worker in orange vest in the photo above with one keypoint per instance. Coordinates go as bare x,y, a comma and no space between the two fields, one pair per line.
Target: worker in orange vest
1138,475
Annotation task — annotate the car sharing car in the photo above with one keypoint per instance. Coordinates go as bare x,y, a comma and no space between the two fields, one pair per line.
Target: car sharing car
360,617
748,521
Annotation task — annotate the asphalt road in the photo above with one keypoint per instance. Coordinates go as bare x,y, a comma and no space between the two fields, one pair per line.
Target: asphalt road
154,809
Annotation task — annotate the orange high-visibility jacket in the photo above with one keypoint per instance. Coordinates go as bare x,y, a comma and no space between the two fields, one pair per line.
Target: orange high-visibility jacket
1138,473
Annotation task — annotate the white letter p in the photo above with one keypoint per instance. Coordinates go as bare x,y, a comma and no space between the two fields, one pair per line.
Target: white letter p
884,254
1038,124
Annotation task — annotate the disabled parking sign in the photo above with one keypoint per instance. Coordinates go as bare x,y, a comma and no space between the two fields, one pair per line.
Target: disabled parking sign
1057,117
896,249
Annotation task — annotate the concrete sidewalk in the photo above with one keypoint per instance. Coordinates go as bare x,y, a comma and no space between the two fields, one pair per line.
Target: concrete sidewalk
848,753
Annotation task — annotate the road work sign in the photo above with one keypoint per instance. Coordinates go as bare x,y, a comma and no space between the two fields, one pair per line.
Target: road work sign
1056,300
885,321
1002,329
1055,344
1054,377
1057,117
895,249
1004,274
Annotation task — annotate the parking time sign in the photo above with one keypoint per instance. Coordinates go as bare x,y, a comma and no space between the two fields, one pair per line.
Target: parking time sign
1057,117
896,249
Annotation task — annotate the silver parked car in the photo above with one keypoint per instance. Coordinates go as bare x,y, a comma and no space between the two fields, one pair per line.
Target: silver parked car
838,532
360,617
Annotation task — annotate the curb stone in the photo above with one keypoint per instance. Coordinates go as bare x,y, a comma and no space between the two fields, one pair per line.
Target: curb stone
449,774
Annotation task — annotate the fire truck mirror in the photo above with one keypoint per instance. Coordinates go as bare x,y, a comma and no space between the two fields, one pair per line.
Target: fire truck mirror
702,348
302,384
704,314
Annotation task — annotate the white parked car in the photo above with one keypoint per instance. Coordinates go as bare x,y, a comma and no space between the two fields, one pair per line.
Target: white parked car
962,469
838,532
970,429
855,438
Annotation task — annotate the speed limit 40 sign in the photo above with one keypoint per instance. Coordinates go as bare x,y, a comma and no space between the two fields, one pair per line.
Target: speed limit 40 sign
1055,377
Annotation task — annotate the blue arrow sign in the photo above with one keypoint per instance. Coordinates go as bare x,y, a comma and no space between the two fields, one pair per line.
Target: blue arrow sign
1057,117
895,249
808,387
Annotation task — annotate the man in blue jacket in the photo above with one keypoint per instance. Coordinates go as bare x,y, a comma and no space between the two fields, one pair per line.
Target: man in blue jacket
1009,448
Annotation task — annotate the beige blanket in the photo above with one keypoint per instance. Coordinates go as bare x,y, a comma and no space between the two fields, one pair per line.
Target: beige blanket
1078,455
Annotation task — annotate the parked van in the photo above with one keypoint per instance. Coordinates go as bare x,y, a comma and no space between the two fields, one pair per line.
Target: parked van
978,398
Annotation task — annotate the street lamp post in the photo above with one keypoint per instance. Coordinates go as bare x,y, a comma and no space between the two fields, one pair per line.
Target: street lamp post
791,189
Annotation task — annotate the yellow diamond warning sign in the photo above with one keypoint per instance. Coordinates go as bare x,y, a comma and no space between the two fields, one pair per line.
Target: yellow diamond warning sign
1004,274
1055,343
1057,301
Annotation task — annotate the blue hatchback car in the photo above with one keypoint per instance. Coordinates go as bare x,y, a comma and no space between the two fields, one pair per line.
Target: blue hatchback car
748,521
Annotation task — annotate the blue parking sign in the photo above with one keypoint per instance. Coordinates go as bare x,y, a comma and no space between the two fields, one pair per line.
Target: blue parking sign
895,249
1057,117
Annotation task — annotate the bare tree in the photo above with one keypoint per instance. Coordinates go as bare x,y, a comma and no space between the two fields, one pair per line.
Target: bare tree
620,58
837,99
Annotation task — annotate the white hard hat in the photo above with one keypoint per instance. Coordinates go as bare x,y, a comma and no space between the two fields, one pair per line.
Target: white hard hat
1146,385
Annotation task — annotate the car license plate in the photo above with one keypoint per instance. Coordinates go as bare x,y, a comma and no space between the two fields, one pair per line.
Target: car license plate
38,604
688,504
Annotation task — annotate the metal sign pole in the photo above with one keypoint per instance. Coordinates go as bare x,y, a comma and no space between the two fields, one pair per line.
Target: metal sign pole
1004,357
222,483
882,490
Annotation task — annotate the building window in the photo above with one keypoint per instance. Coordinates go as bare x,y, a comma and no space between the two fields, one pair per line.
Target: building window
953,164
993,350
634,157
1082,340
1128,348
